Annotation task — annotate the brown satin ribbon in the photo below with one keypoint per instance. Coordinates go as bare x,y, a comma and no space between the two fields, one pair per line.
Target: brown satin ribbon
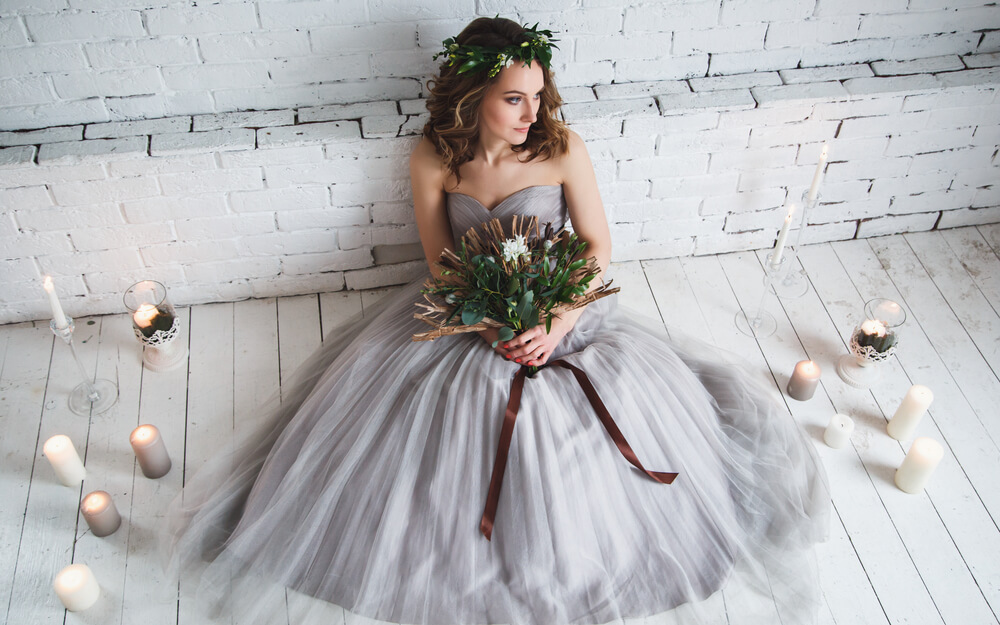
507,431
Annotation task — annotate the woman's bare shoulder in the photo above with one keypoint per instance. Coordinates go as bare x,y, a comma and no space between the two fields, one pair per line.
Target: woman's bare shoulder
425,156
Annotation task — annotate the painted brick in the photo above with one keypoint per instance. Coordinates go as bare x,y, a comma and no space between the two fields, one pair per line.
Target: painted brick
663,167
220,75
960,117
763,179
909,48
120,237
883,125
26,90
765,116
341,260
45,135
161,165
911,185
276,15
792,134
878,105
153,210
729,100
84,26
624,192
918,66
32,175
895,224
631,90
951,160
985,198
668,68
662,17
258,44
578,94
969,217
744,201
25,198
216,181
868,169
19,156
79,263
279,200
414,125
61,219
609,109
383,213
229,270
112,82
335,171
860,51
732,242
824,74
704,141
208,19
385,275
794,33
982,176
746,36
754,159
307,133
336,112
924,142
694,186
617,46
154,51
295,155
116,282
289,243
18,270
735,81
40,59
974,61
227,226
363,38
419,106
771,96
380,126
754,60
748,221
924,22
331,217
76,193
868,86
620,148
976,77
281,286
104,149
11,33
113,130
210,141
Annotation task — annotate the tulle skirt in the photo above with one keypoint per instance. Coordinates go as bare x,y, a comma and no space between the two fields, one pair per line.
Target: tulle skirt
365,486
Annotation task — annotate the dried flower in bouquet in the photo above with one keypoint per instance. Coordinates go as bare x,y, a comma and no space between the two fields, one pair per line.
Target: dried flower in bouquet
510,283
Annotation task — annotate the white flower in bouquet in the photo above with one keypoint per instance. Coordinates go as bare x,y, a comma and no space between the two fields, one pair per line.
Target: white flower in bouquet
514,249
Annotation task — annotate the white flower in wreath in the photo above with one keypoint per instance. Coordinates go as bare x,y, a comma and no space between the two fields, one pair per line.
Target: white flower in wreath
515,248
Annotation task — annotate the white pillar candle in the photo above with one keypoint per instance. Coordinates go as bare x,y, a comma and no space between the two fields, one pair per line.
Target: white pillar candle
924,456
779,244
805,377
910,411
64,460
150,451
100,513
57,312
818,175
77,587
838,432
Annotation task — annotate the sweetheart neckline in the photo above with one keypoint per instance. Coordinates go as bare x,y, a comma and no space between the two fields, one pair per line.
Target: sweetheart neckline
506,199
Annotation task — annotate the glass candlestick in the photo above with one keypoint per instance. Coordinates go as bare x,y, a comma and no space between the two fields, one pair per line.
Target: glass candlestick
88,397
794,282
759,323
156,325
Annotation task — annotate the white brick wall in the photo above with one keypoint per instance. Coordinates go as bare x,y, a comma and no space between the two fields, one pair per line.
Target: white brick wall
252,148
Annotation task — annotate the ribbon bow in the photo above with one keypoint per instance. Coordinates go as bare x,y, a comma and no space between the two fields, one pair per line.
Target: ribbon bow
514,404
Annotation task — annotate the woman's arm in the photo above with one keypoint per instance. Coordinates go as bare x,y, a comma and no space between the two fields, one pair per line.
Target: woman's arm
586,212
427,176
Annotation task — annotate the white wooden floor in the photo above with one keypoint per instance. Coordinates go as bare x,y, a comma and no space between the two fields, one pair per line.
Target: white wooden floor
891,558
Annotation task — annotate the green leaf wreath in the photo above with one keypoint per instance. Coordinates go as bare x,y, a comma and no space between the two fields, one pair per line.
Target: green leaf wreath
511,283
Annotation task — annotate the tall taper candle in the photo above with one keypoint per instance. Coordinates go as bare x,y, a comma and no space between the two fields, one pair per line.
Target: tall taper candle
57,312
818,175
924,456
909,413
100,513
150,451
779,244
77,587
64,459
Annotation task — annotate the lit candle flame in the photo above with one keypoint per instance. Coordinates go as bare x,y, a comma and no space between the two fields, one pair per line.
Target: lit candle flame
144,316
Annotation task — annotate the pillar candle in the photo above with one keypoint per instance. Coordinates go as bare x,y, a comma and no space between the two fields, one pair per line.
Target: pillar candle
100,513
805,377
924,456
64,459
910,411
77,587
57,312
150,451
838,432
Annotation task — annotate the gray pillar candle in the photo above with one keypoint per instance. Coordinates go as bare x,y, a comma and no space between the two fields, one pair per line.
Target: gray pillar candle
804,379
150,451
100,513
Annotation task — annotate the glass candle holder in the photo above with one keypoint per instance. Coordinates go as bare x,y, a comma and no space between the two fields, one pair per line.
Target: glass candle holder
155,324
873,341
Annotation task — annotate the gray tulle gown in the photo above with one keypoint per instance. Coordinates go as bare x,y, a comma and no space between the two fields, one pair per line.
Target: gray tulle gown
366,487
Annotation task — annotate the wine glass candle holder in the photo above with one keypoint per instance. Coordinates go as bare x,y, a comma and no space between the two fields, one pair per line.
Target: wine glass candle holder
156,325
759,323
793,282
873,341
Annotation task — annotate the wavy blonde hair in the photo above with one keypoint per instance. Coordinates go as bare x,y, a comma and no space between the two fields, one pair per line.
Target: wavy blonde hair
455,98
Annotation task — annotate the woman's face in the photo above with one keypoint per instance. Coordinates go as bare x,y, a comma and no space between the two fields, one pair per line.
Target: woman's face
510,105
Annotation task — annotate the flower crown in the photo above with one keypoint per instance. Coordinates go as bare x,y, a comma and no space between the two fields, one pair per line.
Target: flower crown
535,44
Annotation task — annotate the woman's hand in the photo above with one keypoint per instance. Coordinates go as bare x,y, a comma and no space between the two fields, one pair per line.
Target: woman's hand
534,347
491,335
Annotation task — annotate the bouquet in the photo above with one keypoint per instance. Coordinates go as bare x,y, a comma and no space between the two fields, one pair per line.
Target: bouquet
511,283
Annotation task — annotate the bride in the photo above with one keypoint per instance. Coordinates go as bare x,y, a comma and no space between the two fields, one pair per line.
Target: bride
366,486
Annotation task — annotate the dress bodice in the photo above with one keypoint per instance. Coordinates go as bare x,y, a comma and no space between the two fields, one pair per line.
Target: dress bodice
546,202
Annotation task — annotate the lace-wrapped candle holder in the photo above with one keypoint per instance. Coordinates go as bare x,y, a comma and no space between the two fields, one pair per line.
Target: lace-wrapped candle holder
872,342
156,325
